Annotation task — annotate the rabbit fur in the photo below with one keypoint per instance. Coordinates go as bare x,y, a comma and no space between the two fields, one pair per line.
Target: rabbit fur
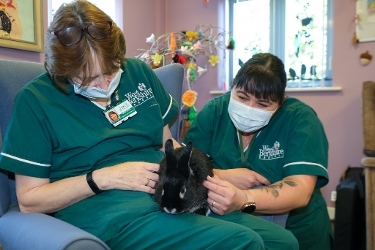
182,172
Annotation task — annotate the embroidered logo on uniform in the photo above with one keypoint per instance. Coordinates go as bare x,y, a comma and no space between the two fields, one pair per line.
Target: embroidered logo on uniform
267,153
141,86
140,96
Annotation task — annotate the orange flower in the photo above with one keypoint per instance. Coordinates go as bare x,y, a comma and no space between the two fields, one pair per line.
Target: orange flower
189,98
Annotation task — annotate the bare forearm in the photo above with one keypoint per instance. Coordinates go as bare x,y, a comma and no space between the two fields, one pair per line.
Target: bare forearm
39,195
282,196
51,197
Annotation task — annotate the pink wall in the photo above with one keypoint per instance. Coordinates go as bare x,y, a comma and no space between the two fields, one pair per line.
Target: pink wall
340,112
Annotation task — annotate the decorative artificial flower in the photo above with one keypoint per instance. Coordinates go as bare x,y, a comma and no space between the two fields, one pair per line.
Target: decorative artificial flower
201,70
189,98
191,74
191,65
201,34
231,44
192,35
173,43
186,51
197,46
179,58
214,59
150,39
156,58
187,44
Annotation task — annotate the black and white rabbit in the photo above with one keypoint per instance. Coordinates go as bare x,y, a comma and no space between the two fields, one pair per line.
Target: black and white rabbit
182,172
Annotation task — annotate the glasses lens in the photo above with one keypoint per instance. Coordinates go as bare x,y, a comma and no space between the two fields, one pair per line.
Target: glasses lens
69,36
100,30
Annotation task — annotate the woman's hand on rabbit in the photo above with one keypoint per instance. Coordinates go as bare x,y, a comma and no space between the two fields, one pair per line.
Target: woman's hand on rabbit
138,176
223,197
242,178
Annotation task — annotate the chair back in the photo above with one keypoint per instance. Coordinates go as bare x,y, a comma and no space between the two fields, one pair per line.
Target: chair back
13,76
172,78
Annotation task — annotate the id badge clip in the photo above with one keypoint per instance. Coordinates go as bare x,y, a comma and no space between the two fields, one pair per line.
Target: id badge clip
119,112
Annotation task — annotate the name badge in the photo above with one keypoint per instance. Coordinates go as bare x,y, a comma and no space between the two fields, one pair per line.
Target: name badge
119,113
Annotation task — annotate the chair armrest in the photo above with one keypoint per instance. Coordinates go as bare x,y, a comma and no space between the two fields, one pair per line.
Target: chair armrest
368,162
21,231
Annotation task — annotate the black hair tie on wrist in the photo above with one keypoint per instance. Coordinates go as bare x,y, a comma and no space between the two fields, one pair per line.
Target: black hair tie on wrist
92,183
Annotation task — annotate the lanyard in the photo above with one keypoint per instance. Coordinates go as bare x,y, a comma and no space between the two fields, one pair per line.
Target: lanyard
245,155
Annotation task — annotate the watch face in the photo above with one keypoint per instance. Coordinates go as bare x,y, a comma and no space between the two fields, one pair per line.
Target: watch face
249,209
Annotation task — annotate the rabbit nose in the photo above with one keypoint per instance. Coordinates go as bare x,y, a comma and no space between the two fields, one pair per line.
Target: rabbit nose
170,211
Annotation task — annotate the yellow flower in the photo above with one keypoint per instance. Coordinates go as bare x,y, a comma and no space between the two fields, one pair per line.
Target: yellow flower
192,35
214,59
157,58
189,98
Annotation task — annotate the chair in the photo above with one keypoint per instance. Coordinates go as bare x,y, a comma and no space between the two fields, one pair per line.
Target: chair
19,231
368,162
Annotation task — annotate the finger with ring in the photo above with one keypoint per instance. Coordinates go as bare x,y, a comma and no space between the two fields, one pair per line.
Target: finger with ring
213,203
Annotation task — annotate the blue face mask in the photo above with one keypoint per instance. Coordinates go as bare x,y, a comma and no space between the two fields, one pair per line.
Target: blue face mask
98,93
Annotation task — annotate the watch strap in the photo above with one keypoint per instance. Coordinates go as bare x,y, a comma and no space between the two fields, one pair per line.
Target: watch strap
248,206
92,183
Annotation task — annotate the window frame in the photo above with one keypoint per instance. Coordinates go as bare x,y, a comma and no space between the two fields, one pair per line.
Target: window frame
277,38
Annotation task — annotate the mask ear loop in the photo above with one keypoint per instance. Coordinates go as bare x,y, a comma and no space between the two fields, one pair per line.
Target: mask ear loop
116,95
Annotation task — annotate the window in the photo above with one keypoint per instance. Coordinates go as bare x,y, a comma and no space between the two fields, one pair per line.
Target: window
108,6
298,31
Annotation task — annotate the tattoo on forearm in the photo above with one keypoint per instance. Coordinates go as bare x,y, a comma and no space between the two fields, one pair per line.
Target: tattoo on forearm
273,188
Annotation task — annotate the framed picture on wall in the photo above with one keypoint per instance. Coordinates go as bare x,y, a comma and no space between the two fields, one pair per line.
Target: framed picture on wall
365,25
21,24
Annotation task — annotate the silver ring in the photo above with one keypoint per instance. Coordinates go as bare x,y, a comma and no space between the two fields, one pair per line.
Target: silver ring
148,180
213,204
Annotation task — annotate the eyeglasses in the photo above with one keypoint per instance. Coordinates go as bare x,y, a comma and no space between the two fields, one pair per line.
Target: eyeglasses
72,35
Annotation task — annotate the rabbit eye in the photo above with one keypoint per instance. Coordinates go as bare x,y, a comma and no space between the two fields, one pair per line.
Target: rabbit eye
182,192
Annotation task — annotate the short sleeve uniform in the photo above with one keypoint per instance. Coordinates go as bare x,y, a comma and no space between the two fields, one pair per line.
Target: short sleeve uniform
293,143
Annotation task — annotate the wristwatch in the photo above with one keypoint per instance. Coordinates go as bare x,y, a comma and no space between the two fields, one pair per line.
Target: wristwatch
248,207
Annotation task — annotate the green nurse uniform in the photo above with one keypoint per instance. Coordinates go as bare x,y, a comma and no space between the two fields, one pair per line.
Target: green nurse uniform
58,135
293,143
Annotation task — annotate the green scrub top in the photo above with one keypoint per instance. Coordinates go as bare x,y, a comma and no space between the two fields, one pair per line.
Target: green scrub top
293,143
57,135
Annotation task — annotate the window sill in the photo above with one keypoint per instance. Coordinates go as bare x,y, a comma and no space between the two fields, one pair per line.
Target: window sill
294,90
316,89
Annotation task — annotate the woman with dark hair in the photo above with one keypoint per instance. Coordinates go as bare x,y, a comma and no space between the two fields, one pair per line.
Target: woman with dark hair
270,152
70,160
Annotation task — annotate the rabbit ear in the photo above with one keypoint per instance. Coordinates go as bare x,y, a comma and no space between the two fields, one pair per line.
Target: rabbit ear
169,154
169,146
183,162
